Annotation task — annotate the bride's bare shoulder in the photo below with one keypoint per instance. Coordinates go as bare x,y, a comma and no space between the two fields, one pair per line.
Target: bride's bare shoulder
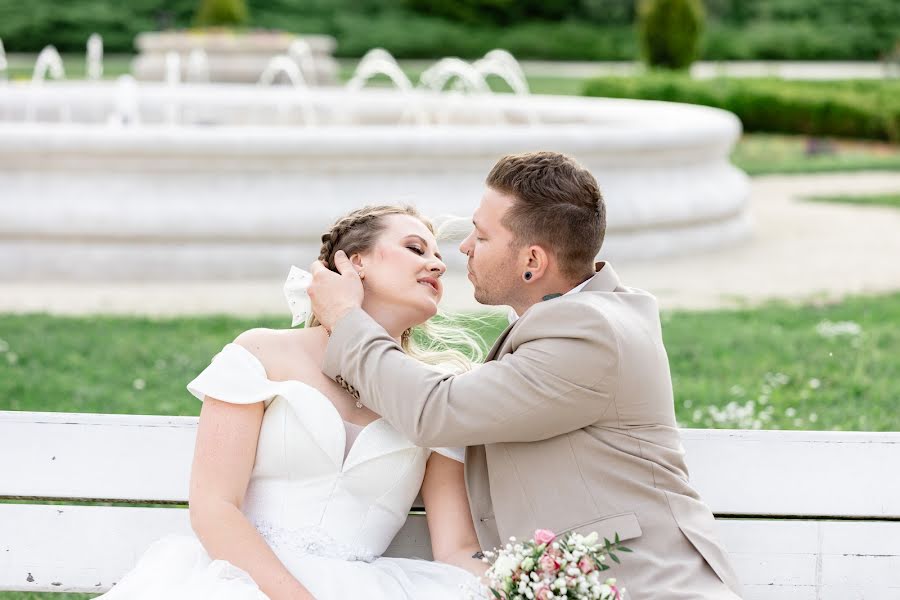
281,350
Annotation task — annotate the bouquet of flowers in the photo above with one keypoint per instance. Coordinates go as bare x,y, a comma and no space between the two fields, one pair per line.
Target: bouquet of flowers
549,567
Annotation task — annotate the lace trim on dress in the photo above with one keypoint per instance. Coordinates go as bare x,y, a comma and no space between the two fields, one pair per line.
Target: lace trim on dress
311,540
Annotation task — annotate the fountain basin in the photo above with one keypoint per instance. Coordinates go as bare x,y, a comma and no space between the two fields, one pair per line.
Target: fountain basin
232,57
233,182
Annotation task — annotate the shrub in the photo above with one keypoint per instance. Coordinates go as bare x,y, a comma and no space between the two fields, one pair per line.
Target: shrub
221,13
861,109
670,31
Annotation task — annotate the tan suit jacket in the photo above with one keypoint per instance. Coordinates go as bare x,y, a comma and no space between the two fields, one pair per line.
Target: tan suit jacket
569,424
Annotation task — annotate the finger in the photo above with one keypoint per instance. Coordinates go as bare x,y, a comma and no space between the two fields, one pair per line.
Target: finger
343,264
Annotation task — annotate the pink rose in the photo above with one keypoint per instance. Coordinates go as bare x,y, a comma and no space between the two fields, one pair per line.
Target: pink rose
586,564
544,536
547,563
543,593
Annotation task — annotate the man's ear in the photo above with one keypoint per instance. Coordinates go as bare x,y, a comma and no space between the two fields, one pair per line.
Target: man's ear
537,261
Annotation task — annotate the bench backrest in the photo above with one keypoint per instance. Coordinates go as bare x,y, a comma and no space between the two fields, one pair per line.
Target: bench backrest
803,514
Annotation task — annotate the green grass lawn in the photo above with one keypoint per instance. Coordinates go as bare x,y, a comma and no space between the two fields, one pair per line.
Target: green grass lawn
892,200
781,367
21,66
761,154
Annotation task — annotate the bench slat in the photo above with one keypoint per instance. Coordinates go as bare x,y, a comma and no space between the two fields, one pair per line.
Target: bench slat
770,473
87,548
115,457
796,473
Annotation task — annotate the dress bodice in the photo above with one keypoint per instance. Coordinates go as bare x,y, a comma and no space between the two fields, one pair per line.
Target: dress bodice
304,496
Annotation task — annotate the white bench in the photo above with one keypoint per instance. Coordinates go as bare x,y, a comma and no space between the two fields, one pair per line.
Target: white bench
804,515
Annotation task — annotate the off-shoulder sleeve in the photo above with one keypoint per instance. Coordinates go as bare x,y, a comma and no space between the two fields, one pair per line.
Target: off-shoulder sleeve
235,375
457,454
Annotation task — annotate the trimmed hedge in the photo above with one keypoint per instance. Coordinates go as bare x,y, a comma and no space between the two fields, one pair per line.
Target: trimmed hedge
858,109
412,36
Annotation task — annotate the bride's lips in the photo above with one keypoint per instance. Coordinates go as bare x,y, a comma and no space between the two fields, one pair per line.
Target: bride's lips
432,282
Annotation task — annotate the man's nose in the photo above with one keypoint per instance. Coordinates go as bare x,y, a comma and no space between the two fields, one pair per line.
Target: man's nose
465,247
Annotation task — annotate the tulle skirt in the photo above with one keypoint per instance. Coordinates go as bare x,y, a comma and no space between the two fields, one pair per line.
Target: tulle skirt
178,568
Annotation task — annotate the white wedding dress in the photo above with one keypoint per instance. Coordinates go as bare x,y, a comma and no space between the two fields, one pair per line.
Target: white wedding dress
328,517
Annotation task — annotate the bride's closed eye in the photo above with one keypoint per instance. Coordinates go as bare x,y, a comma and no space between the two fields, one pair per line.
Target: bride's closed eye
416,249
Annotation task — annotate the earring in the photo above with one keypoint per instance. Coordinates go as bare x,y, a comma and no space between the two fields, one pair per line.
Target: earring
362,274
527,275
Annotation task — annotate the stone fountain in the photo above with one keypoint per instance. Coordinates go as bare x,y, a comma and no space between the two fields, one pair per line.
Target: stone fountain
134,180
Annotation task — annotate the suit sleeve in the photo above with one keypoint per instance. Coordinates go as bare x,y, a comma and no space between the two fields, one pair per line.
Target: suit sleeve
540,390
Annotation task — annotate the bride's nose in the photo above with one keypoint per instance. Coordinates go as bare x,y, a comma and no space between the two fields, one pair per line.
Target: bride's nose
438,268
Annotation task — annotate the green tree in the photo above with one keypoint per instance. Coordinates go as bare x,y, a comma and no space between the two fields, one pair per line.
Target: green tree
221,13
670,32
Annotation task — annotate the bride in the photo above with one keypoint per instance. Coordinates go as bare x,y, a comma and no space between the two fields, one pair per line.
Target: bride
296,488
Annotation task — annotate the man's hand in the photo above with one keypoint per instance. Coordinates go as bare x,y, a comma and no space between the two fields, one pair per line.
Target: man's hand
332,296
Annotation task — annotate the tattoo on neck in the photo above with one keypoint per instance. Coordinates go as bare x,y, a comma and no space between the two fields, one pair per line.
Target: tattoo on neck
551,296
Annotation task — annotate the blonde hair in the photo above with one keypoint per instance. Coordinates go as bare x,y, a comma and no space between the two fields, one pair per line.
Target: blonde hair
444,340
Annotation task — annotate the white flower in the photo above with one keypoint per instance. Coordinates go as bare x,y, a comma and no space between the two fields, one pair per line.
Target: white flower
815,383
505,565
138,384
827,329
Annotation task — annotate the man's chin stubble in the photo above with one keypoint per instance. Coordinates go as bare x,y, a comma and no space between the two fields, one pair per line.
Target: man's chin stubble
481,298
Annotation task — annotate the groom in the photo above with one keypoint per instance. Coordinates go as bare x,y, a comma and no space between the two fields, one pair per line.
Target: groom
570,423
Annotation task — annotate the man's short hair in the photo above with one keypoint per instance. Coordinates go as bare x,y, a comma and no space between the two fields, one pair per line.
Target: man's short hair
557,205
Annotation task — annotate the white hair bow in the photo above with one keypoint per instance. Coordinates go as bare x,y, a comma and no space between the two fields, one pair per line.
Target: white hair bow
295,287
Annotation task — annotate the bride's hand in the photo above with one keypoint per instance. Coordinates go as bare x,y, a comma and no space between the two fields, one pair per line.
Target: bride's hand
333,295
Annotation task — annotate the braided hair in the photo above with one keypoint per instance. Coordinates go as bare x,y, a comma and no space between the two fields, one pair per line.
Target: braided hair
357,231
